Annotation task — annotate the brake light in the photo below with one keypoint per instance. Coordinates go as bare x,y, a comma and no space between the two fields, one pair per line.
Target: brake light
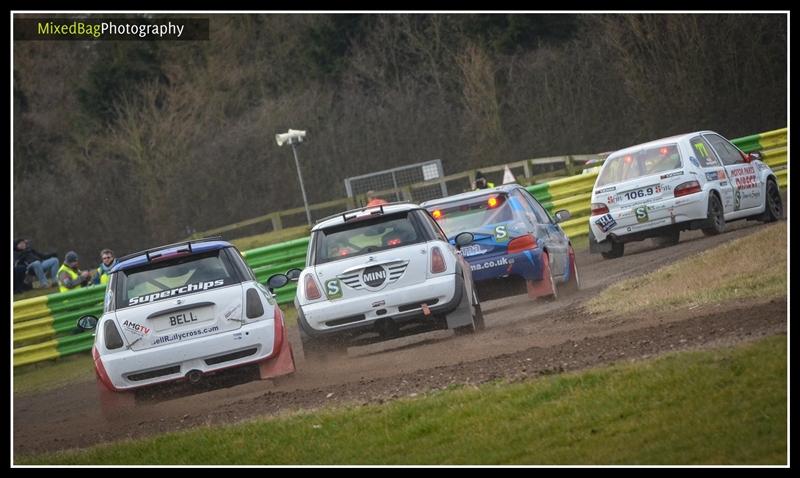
437,261
689,187
312,291
393,242
521,243
599,208
437,214
111,335
663,151
628,159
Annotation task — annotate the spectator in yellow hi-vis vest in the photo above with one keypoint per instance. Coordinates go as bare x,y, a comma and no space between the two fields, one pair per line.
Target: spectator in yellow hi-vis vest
109,261
70,277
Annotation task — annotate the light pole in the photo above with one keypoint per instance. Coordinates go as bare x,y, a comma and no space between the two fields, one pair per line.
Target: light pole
293,137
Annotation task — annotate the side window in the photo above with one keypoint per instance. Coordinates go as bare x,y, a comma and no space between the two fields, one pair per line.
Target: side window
542,217
726,151
241,265
431,225
706,155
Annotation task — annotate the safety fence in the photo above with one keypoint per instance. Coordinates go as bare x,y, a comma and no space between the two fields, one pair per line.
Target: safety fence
45,327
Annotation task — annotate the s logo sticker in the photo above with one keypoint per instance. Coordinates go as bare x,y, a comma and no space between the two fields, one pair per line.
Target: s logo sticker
333,289
641,214
500,234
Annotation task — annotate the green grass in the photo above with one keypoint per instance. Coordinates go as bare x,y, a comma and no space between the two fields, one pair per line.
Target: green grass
750,267
274,237
726,406
48,375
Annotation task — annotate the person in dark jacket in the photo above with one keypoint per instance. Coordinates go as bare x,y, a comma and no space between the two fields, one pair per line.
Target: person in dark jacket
28,259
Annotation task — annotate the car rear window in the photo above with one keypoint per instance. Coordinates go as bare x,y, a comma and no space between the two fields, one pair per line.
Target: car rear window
645,162
470,214
365,236
175,277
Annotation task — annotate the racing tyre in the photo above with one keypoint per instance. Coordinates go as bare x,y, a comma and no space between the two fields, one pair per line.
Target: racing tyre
617,250
774,206
669,239
574,284
716,217
477,316
319,349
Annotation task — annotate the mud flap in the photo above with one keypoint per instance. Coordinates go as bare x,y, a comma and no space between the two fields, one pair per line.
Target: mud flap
544,287
282,364
462,315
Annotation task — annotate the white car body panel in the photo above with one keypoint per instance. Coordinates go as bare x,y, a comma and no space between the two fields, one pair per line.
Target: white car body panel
741,187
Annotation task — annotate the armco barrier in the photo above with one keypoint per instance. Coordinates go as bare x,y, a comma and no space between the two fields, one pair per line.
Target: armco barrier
44,327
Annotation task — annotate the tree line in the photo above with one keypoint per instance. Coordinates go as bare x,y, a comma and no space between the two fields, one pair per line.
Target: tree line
130,145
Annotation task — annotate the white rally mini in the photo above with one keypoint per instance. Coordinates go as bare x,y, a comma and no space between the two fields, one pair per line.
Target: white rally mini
182,311
375,270
693,181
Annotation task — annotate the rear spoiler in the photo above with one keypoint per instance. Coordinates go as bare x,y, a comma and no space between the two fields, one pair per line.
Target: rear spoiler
150,253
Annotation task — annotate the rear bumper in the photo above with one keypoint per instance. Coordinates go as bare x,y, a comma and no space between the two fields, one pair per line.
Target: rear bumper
128,369
526,265
687,212
328,318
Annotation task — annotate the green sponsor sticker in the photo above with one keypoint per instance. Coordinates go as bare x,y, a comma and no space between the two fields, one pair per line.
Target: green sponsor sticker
333,289
641,214
500,234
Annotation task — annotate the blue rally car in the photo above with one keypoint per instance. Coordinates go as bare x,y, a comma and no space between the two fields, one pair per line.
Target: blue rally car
513,237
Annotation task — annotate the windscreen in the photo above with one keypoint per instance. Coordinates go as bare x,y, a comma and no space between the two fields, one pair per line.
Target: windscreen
175,277
645,162
469,215
365,236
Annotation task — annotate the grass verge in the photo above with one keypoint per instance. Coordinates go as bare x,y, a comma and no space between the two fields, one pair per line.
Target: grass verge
53,374
749,267
725,406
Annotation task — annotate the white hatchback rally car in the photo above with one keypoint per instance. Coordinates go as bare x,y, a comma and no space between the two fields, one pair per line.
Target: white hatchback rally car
693,181
374,270
181,311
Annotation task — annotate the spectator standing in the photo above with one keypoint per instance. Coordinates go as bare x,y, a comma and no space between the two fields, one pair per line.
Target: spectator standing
481,182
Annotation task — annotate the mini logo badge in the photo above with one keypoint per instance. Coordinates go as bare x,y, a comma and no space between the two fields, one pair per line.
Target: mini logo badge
374,276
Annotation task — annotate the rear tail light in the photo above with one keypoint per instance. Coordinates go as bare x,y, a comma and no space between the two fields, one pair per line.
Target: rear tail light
599,208
437,261
111,335
253,307
522,243
312,291
689,187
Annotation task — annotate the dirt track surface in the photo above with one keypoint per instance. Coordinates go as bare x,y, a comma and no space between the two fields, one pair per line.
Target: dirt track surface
523,339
